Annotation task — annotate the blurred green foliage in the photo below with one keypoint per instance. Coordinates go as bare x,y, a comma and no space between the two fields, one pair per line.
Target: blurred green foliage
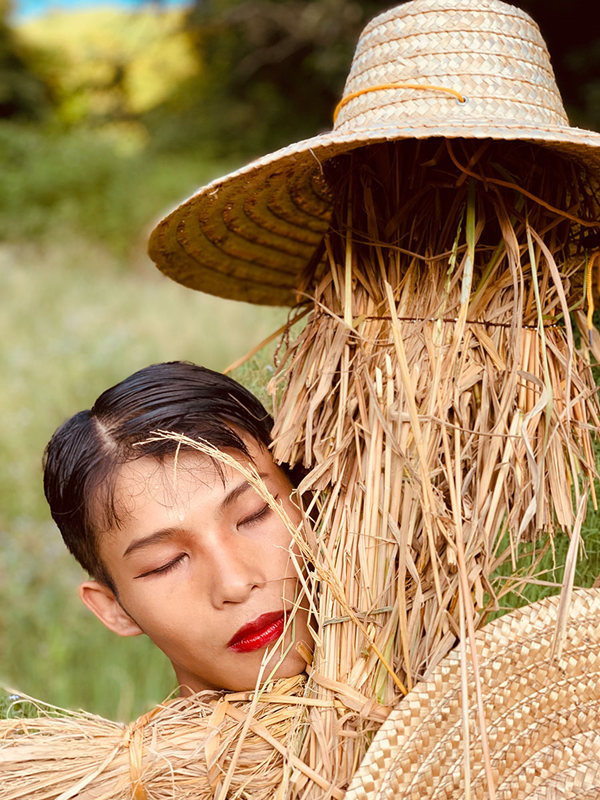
23,92
272,70
108,66
90,181
237,77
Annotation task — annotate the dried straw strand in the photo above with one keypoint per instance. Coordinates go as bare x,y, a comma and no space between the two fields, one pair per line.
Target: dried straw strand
440,409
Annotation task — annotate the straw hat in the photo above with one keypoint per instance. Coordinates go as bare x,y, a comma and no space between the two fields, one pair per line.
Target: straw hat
447,68
542,714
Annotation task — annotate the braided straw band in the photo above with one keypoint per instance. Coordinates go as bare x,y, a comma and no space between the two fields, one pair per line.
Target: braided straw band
543,716
133,740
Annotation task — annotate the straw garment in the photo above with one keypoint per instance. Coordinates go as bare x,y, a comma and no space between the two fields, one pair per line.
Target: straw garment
252,234
207,746
543,716
406,397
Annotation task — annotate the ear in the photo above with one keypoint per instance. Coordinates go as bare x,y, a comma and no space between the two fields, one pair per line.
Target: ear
102,602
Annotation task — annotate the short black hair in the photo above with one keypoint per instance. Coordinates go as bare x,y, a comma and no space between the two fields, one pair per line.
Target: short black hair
84,454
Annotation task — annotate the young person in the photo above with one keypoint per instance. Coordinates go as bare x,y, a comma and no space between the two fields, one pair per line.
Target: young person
178,544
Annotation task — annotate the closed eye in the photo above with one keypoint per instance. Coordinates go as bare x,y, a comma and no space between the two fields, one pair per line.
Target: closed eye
257,516
165,567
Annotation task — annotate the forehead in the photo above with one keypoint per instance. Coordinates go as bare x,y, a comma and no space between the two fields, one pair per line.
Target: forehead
169,476
149,482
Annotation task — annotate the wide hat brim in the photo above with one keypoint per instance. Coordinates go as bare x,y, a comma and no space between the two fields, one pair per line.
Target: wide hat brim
252,234
542,716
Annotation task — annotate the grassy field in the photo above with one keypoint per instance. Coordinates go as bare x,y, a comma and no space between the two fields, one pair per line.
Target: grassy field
82,308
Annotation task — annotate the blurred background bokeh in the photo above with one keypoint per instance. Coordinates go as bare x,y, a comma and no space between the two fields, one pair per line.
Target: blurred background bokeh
109,114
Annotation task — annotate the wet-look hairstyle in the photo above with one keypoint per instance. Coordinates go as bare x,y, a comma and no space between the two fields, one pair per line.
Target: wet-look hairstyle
82,458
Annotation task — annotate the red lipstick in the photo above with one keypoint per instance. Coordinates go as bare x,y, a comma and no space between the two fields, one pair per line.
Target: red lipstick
257,634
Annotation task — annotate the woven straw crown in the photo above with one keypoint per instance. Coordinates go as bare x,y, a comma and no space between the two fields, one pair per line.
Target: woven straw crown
428,68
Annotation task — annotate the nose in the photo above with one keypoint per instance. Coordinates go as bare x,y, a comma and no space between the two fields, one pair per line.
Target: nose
234,570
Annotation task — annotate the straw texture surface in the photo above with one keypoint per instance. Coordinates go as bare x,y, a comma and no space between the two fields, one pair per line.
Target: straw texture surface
440,405
252,234
542,714
182,750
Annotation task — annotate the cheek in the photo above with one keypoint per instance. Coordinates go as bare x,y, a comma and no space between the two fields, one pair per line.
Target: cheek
278,544
172,631
163,605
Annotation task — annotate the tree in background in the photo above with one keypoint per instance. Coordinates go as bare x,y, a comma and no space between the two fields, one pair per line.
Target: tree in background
571,32
23,94
270,71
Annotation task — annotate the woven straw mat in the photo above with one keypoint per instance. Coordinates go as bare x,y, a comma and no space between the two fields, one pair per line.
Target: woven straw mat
542,716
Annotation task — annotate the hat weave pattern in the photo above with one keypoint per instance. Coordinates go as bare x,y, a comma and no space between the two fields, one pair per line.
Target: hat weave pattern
493,54
542,716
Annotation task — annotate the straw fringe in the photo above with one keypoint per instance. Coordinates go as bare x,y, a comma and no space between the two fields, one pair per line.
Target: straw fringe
435,447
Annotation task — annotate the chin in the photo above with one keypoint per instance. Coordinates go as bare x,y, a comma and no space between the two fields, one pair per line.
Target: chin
292,667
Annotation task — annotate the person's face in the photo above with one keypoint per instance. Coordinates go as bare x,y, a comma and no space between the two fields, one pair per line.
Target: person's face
202,565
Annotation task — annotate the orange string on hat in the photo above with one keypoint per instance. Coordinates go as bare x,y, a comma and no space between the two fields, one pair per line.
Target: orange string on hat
460,97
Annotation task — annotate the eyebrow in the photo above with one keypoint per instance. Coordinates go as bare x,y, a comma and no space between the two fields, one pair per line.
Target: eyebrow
233,495
164,534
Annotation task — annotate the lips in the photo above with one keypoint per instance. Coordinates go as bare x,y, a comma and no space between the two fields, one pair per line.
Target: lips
257,634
